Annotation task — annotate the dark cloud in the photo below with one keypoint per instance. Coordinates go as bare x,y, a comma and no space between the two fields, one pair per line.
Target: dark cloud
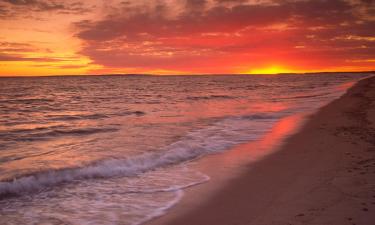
231,1
217,19
15,47
21,2
153,38
195,5
6,57
4,12
10,57
14,8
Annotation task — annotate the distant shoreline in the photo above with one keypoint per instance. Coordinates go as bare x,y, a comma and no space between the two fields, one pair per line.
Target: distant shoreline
171,75
324,174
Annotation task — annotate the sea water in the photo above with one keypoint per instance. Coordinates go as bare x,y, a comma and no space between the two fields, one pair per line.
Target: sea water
116,149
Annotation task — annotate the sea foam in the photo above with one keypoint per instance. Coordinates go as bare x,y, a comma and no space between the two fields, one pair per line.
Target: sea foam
218,137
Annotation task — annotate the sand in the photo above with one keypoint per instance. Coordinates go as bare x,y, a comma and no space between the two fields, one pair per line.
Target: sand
322,175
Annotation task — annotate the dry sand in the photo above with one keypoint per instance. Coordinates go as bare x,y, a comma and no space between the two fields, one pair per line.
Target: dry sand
323,175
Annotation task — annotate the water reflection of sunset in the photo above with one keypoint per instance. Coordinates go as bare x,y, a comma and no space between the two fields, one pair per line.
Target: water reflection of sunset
241,155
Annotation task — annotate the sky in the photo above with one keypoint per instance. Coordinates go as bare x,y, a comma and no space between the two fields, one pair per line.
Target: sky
69,37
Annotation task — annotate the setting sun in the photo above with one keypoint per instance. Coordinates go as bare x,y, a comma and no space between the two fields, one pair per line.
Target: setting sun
269,70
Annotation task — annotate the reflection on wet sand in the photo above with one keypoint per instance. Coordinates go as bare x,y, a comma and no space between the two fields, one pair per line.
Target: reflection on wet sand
226,165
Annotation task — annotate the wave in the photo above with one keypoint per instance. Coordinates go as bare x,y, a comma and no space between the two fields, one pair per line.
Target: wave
105,169
261,116
94,116
77,117
40,133
129,113
306,96
84,131
220,136
210,97
25,101
30,130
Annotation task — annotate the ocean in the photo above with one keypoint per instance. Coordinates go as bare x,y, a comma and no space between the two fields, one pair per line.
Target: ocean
117,149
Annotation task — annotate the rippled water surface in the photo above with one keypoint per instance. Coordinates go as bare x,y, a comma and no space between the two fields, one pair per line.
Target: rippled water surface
113,149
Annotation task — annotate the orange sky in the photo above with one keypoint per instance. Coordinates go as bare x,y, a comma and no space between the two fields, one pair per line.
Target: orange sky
63,37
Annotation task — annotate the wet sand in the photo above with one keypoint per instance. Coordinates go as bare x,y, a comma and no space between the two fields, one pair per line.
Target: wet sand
323,175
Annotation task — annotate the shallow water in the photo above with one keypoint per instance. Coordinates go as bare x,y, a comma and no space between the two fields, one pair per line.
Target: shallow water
115,150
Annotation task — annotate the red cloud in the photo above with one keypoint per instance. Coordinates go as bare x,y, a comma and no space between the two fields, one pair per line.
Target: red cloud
231,34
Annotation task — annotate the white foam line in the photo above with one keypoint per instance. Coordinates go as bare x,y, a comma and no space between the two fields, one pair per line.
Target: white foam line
221,136
161,211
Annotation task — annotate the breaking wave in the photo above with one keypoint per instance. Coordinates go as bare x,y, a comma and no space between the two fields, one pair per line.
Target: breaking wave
218,137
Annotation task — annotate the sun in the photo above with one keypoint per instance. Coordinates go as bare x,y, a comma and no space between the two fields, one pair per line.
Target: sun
269,70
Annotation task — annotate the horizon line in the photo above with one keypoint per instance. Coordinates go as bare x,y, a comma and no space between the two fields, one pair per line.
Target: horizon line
196,74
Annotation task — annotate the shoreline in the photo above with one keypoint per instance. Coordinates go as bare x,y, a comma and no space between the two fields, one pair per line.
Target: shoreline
321,175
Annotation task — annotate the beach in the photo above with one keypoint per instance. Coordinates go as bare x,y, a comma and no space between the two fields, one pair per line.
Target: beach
324,174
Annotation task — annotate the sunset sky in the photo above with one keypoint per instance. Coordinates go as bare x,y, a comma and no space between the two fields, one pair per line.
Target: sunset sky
64,37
